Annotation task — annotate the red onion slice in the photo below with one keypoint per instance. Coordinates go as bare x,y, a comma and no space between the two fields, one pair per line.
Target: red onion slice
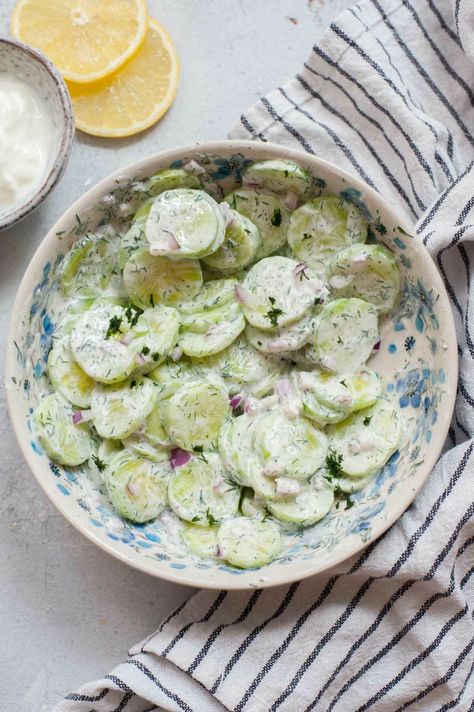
179,457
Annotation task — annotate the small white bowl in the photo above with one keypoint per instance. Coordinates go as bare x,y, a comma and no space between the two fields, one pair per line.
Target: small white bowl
33,68
417,360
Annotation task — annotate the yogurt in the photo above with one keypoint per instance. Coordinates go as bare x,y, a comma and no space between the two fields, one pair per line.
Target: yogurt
26,137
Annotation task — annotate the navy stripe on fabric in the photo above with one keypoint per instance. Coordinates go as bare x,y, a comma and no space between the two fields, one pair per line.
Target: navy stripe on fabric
443,23
368,145
454,703
467,396
331,582
434,209
415,661
465,211
218,630
456,14
421,70
167,620
125,700
441,681
340,144
466,578
247,125
383,612
255,632
379,126
118,682
449,69
219,599
402,559
289,128
467,265
426,167
75,697
171,695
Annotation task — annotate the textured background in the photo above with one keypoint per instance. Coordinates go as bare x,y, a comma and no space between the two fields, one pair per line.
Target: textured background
68,611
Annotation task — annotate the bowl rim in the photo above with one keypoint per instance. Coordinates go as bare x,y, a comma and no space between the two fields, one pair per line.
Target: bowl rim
67,134
252,578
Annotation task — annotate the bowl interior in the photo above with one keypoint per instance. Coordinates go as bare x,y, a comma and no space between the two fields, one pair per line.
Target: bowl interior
36,71
417,359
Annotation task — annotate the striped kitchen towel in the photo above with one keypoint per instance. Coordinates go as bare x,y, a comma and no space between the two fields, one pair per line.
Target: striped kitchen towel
388,94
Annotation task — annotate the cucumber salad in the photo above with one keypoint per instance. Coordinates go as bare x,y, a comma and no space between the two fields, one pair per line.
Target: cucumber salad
210,363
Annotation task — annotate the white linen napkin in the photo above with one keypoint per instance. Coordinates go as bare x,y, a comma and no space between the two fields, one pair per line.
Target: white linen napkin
388,94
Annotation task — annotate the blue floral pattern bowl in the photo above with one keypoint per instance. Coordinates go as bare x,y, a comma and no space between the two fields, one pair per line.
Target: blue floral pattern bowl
417,359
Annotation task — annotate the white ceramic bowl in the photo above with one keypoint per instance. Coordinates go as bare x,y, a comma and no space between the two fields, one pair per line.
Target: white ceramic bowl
417,358
33,68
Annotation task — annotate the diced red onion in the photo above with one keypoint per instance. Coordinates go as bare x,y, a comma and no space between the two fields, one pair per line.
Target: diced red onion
282,388
287,486
220,487
300,268
251,182
176,353
289,200
244,297
81,416
133,489
179,457
140,359
377,346
127,338
235,401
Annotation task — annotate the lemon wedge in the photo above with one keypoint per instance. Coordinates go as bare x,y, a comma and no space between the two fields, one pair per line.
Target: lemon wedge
86,39
136,96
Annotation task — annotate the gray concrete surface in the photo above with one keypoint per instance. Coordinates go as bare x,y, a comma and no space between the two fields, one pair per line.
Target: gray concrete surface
68,611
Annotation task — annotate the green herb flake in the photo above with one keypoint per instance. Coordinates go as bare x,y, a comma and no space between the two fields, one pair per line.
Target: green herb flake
307,236
133,313
155,356
276,218
145,350
273,315
133,384
334,463
199,450
114,326
367,419
212,521
100,464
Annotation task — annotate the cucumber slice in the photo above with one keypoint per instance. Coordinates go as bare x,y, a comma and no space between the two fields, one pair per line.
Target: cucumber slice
67,377
215,339
369,272
155,335
348,486
152,280
267,212
213,294
119,410
134,239
199,493
184,223
322,227
346,334
248,542
96,343
308,507
99,460
289,448
170,375
200,322
90,268
142,446
303,385
195,414
278,175
236,448
63,441
239,249
365,387
201,541
274,295
170,179
289,338
252,506
345,392
137,487
367,439
68,318
154,427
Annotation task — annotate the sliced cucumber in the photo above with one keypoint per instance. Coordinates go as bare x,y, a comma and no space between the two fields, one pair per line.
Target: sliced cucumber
170,375
170,179
212,294
367,439
199,493
141,445
184,223
348,485
344,392
67,377
252,506
267,211
155,335
100,460
90,269
274,295
346,334
249,542
134,239
369,272
308,507
150,280
322,227
137,487
63,441
195,414
97,346
289,338
236,448
239,249
154,426
201,541
200,322
215,339
289,448
278,175
119,410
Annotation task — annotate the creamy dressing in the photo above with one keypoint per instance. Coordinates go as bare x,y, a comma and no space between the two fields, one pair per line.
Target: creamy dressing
26,136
